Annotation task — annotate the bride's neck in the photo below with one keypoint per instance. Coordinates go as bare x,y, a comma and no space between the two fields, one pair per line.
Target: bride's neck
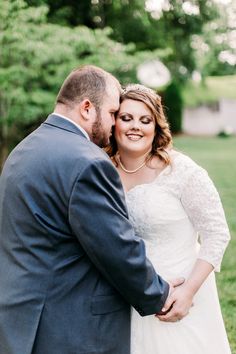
132,161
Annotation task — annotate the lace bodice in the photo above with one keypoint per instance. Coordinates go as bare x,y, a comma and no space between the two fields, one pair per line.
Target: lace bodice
170,213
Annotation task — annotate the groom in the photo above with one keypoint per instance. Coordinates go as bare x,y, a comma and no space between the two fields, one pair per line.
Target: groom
70,264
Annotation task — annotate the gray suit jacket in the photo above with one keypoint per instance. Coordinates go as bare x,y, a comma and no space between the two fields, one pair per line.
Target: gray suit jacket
70,264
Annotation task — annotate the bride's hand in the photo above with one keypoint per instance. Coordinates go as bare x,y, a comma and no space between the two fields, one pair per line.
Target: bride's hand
177,304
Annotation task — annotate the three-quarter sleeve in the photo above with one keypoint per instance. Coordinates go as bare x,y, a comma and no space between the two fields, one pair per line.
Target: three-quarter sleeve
203,206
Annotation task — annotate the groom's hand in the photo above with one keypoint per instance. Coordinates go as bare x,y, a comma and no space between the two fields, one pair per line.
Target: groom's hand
177,304
173,284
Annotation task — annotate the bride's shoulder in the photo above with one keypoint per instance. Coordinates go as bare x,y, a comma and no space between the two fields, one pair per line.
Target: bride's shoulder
182,163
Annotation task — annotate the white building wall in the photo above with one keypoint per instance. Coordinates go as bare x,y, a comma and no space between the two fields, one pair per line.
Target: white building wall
210,119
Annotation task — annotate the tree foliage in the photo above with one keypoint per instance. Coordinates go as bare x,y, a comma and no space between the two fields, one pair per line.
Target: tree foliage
174,106
43,40
37,56
133,22
216,54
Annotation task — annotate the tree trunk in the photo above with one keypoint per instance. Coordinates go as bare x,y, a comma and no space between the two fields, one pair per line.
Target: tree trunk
4,150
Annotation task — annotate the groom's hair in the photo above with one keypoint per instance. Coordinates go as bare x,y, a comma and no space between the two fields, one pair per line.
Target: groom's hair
87,81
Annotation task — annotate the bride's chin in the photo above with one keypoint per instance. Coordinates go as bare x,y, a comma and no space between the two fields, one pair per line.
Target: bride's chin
135,153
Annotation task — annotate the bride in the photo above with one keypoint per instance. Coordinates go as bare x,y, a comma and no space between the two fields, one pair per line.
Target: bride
175,208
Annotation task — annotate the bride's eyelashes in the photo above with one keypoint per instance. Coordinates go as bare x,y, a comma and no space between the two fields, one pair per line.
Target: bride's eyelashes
125,117
146,120
128,118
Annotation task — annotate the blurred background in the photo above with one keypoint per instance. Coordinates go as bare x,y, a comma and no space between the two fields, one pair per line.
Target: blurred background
186,50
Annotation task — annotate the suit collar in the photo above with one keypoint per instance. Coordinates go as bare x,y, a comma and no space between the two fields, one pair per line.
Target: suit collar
59,122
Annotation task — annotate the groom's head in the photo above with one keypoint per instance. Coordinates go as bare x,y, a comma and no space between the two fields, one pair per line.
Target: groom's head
90,97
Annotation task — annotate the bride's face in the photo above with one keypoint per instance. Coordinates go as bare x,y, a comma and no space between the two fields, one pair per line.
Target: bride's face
135,127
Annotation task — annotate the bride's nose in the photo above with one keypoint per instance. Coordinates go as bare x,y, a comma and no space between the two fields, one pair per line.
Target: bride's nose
135,125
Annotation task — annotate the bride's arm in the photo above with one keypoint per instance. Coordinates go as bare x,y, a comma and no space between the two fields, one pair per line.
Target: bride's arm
202,204
200,272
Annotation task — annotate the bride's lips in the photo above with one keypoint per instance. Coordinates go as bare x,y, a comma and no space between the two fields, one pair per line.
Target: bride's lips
134,136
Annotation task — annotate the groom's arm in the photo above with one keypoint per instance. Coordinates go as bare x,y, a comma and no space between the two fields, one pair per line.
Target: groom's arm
99,218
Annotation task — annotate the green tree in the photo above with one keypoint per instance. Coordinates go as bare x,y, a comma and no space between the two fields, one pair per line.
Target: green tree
173,103
36,57
134,21
215,47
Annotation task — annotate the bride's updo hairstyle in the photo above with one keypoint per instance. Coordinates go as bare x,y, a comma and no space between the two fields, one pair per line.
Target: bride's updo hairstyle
162,141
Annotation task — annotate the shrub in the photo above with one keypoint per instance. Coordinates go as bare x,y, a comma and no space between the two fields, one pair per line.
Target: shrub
173,104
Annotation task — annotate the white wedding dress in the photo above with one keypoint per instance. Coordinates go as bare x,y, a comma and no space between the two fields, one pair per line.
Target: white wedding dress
169,214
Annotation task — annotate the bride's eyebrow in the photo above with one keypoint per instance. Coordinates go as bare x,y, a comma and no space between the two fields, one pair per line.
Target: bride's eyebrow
147,116
128,114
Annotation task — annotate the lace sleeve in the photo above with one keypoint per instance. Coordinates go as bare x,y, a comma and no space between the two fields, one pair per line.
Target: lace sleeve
203,206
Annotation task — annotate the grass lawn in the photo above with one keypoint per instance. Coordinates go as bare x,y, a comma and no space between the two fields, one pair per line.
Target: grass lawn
218,156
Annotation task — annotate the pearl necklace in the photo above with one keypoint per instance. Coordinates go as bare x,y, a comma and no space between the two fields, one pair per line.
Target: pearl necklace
117,158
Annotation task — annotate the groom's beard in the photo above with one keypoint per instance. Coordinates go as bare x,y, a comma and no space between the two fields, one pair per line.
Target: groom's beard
99,135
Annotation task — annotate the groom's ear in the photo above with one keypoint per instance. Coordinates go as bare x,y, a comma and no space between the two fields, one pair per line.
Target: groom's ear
87,110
